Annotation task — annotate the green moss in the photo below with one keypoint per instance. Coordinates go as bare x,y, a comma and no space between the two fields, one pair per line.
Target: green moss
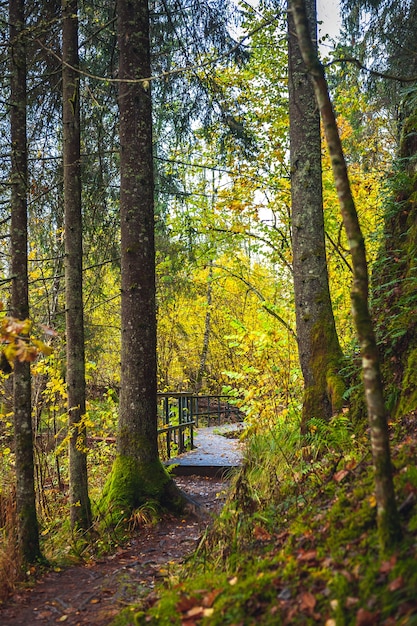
326,551
408,397
324,397
335,389
132,483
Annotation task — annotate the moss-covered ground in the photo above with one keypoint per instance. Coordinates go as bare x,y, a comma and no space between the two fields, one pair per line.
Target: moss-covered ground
297,543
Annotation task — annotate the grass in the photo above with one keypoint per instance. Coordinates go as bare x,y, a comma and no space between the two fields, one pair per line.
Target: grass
297,543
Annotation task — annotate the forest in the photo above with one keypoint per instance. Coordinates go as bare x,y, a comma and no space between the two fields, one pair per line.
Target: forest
208,199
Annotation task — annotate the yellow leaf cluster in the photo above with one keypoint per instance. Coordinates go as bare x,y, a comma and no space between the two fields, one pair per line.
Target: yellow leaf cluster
18,343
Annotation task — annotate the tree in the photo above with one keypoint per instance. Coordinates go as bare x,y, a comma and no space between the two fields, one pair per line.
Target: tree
28,532
80,510
138,474
388,522
390,28
318,345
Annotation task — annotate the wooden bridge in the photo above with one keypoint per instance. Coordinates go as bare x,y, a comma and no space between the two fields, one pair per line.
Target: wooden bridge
198,433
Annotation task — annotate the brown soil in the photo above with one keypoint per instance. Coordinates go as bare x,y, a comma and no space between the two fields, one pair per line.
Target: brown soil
94,593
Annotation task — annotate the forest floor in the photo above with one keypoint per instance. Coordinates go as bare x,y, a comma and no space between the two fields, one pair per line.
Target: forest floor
94,593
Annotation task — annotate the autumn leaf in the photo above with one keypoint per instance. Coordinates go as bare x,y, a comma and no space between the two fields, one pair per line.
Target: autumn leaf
42,347
387,566
10,351
186,603
309,555
339,476
195,611
307,601
366,618
209,599
396,584
261,534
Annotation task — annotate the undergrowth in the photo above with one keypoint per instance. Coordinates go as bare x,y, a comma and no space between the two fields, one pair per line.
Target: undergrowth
296,542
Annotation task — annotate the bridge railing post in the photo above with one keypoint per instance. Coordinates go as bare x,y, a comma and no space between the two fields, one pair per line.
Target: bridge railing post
180,412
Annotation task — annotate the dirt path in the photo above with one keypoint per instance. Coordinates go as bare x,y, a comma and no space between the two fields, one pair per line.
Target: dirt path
94,593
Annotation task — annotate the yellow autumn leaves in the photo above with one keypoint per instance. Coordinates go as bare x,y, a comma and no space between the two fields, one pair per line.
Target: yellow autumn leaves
17,341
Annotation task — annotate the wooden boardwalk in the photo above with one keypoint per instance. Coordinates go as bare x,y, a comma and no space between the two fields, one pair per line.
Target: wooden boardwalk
213,455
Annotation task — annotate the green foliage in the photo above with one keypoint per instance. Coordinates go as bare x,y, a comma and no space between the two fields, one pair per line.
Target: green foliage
302,552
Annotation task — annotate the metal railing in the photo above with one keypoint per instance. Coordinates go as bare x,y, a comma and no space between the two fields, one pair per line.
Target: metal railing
179,413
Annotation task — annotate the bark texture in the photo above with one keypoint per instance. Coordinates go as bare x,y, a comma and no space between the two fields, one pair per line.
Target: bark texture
388,521
318,345
28,533
137,474
80,510
394,278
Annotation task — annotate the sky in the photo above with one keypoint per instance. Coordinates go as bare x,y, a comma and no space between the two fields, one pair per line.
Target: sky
328,12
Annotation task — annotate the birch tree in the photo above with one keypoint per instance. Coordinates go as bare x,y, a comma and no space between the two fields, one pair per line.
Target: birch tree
388,521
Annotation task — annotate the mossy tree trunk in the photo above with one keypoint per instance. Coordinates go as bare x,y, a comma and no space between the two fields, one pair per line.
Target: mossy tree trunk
395,275
137,475
28,533
388,521
318,345
80,509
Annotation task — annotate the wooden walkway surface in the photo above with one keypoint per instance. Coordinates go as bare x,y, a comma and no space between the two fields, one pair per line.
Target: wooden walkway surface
213,455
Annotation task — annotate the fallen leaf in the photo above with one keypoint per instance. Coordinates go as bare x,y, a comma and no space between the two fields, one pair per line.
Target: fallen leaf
95,601
340,475
209,599
307,601
351,602
261,534
185,604
309,555
196,611
366,618
63,618
396,584
387,566
43,615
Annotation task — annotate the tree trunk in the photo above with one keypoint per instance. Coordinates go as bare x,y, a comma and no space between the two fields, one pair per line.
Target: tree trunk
388,521
80,510
394,293
137,475
28,533
318,345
